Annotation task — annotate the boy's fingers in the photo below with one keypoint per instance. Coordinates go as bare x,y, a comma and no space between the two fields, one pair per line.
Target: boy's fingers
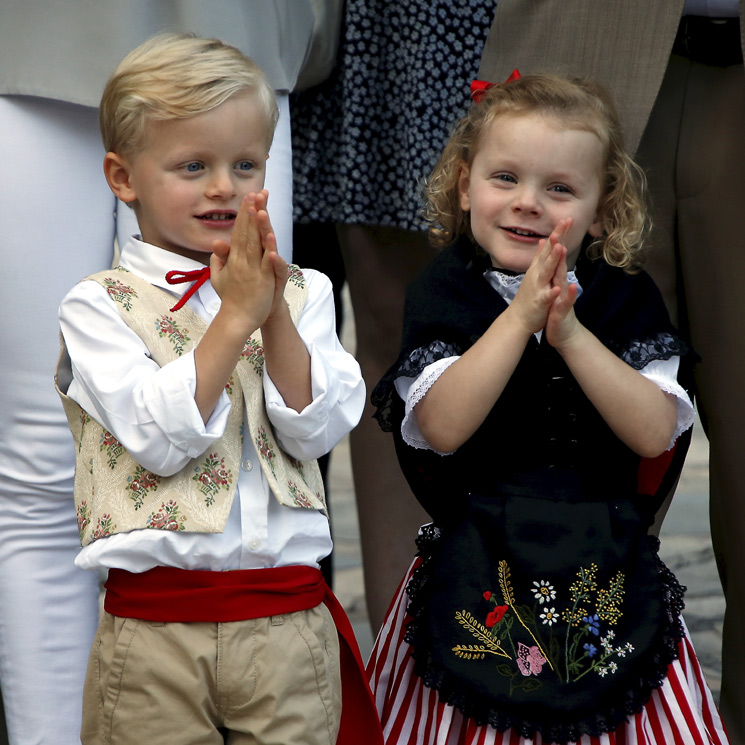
265,230
240,230
221,249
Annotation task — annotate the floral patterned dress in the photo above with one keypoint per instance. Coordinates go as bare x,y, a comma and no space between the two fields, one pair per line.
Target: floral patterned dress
364,139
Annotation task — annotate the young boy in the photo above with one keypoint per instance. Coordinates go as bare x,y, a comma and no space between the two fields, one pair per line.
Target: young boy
198,409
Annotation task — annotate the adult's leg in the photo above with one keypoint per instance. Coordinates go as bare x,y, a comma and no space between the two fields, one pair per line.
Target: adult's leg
380,262
657,154
58,225
279,180
712,257
693,150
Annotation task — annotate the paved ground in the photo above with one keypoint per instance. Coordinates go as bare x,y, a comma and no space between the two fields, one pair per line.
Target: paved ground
686,549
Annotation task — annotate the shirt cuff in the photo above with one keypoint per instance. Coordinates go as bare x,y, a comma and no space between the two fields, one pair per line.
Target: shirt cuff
169,398
312,421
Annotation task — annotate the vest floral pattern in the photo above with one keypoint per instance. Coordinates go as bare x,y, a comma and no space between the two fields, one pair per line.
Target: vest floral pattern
115,494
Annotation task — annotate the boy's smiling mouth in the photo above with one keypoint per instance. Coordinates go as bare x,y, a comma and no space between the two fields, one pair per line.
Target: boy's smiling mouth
217,216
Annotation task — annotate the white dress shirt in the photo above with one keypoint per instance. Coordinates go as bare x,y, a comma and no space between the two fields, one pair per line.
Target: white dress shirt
664,373
152,412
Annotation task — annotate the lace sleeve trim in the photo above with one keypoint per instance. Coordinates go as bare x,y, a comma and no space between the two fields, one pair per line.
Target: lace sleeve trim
410,431
640,353
412,366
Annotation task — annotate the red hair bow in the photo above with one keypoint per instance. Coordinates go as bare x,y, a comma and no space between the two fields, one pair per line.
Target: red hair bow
479,87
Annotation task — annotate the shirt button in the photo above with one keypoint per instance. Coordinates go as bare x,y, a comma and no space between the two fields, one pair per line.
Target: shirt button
246,464
253,544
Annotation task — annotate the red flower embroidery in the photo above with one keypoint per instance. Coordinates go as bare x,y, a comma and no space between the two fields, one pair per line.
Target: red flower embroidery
487,596
495,616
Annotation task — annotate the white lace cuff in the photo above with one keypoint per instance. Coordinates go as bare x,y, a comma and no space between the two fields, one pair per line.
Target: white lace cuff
412,391
663,373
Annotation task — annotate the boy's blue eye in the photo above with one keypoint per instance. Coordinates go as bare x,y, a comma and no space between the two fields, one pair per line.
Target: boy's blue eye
193,167
244,165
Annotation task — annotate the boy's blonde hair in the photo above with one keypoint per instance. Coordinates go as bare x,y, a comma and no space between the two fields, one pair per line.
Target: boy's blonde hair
176,76
573,103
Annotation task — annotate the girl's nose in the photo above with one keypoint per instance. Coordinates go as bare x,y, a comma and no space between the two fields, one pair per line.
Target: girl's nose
526,200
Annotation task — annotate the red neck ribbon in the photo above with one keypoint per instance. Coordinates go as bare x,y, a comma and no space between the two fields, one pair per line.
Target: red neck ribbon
197,276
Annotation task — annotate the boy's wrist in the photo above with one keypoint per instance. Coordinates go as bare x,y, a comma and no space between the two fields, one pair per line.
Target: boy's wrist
277,317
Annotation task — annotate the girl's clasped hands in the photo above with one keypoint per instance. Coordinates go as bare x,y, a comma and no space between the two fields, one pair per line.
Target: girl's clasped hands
545,300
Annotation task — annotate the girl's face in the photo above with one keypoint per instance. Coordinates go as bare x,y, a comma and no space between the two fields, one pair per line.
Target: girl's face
528,173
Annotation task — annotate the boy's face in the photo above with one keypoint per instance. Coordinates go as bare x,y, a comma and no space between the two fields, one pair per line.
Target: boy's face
190,176
528,173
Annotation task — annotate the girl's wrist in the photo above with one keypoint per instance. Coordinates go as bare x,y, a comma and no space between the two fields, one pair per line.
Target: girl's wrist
513,318
572,343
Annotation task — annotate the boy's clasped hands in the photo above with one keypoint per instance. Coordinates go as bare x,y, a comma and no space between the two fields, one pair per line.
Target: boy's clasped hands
248,274
545,300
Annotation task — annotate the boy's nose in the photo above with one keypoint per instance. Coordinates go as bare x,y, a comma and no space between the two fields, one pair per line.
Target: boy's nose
221,185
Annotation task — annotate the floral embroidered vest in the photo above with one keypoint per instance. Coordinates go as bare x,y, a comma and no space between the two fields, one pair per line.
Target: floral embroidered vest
114,494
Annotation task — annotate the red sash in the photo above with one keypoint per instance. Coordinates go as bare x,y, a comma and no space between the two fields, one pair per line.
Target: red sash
180,595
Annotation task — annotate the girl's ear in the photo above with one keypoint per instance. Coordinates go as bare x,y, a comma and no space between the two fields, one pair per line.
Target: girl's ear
118,174
464,185
598,227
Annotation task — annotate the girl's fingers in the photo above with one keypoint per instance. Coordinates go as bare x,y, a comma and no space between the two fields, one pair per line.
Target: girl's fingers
559,233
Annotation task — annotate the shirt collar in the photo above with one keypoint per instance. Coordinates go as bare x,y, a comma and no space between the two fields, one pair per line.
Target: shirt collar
152,262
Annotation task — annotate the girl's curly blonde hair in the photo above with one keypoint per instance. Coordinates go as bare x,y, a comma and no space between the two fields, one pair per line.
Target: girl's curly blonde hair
577,104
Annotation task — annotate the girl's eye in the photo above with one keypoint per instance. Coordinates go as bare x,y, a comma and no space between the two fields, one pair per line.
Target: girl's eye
244,165
506,177
193,167
561,189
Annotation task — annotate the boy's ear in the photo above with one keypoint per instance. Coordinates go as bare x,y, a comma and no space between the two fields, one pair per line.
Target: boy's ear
464,183
117,171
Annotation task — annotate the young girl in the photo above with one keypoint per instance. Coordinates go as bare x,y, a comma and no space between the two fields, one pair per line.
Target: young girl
536,408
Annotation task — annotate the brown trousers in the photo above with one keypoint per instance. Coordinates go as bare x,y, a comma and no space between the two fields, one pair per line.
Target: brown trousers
694,152
267,681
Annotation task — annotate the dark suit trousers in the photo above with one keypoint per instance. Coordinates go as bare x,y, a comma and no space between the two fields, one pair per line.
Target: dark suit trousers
694,152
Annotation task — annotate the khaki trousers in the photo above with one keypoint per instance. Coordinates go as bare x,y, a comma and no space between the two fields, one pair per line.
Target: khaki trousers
266,681
694,152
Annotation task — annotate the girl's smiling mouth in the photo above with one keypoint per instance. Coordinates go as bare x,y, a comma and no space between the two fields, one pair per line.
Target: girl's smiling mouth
524,233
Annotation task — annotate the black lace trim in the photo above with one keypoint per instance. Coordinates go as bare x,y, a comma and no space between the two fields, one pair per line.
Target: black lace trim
640,353
482,710
412,366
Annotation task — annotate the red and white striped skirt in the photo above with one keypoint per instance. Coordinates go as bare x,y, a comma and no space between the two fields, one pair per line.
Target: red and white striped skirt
681,712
